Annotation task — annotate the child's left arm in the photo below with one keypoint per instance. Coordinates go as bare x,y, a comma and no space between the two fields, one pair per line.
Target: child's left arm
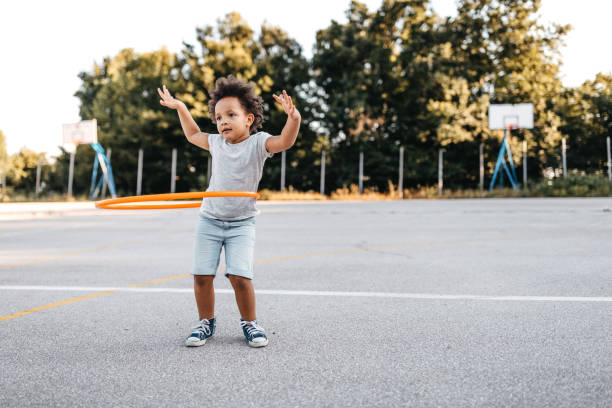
276,144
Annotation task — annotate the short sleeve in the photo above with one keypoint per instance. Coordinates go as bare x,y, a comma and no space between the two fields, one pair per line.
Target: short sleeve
261,138
212,141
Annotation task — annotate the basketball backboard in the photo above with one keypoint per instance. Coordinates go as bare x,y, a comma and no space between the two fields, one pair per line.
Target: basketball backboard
514,116
82,132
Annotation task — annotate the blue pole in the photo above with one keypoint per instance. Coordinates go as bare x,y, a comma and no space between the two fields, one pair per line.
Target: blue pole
100,158
94,175
500,158
514,178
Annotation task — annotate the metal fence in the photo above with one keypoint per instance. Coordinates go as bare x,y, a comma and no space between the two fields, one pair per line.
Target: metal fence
360,170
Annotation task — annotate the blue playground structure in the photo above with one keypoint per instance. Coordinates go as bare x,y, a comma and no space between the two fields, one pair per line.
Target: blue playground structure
107,173
501,162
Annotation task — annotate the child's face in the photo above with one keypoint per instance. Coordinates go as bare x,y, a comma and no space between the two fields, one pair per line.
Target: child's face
233,121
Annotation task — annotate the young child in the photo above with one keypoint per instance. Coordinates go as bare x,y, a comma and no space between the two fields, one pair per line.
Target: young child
238,155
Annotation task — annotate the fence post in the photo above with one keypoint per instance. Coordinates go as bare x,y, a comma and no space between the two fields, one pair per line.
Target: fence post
400,182
524,163
360,172
283,158
38,176
323,172
173,175
440,170
609,159
139,176
70,174
481,166
563,148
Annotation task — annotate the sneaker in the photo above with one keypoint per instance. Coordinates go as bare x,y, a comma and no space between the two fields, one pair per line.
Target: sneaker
255,334
201,332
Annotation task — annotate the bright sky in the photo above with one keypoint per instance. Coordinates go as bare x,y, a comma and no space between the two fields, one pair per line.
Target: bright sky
45,44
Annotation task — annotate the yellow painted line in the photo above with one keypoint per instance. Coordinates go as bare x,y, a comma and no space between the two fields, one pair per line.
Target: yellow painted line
152,282
65,302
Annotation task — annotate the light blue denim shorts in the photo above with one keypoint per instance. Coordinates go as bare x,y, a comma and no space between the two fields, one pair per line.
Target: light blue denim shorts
238,238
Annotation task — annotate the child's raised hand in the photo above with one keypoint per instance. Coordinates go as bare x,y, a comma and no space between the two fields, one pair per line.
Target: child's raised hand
288,105
167,99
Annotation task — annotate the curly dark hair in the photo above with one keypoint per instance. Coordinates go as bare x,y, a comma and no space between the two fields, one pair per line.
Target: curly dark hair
232,86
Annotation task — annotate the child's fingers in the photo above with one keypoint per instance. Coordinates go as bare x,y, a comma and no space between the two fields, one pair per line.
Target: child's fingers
287,98
285,101
282,101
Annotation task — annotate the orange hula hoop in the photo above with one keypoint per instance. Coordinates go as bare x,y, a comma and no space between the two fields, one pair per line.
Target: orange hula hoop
116,203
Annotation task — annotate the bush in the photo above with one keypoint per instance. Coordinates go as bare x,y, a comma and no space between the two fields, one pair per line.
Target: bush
576,184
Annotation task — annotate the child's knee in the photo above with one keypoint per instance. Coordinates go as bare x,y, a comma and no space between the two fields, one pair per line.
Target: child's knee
203,280
239,282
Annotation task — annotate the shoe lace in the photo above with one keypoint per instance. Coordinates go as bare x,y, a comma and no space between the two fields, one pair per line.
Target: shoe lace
204,326
252,327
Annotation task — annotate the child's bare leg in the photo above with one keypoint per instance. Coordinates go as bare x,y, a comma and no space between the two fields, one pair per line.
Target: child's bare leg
245,296
204,295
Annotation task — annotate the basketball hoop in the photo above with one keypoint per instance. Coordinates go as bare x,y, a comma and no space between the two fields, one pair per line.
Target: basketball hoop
508,117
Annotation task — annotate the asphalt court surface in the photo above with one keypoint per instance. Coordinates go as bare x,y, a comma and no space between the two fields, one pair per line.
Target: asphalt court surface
422,303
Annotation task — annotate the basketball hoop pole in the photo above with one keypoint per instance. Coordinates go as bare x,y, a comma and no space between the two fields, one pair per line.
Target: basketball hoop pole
501,162
86,132
70,174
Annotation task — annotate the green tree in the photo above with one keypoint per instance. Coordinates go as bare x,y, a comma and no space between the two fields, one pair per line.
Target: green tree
121,94
500,49
281,64
353,68
396,76
586,121
422,73
272,61
21,174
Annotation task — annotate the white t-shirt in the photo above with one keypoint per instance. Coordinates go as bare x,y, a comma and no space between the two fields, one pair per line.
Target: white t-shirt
235,167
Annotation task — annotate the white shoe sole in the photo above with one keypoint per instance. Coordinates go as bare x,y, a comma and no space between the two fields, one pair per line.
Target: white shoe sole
259,344
198,343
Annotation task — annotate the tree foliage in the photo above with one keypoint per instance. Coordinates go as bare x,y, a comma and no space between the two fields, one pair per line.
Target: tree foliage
397,76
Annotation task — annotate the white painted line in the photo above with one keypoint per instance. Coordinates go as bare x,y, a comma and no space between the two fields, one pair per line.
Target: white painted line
431,296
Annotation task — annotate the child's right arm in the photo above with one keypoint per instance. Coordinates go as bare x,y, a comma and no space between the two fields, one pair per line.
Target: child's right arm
191,129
